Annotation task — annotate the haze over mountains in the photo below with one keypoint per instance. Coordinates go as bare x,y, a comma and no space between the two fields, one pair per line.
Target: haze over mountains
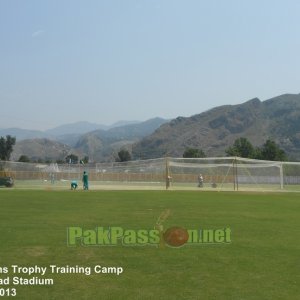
62,130
81,139
212,131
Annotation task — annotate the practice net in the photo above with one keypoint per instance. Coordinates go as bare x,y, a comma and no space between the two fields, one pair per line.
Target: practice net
219,173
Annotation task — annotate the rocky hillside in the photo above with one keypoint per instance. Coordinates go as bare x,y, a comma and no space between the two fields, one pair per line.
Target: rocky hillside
102,145
42,148
215,130
212,131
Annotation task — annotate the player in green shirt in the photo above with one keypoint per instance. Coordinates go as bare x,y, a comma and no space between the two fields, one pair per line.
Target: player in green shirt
85,180
74,185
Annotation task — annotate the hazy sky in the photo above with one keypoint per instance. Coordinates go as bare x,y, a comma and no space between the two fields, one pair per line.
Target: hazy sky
104,61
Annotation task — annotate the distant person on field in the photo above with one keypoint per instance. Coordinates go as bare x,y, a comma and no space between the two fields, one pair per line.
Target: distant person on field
168,183
52,178
200,180
74,185
85,180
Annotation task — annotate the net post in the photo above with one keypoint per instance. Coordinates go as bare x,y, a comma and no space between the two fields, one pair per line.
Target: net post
281,176
168,178
235,175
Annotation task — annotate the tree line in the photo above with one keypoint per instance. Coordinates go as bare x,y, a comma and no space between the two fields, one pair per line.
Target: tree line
243,148
6,149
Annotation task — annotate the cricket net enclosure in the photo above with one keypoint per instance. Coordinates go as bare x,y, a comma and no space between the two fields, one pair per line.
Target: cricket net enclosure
217,173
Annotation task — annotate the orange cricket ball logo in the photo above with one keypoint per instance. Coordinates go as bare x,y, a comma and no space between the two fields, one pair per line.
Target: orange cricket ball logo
176,236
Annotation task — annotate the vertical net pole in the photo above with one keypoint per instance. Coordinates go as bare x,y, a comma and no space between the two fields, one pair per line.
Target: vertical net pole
281,176
233,174
236,174
168,178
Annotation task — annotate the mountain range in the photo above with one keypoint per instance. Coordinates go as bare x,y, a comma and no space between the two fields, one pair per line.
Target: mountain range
213,131
65,130
78,138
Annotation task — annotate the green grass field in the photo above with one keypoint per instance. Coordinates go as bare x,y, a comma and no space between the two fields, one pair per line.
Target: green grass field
261,262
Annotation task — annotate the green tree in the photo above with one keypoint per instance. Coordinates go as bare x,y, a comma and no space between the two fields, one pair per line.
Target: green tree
271,151
23,158
124,155
60,161
84,160
72,159
242,148
193,153
6,147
